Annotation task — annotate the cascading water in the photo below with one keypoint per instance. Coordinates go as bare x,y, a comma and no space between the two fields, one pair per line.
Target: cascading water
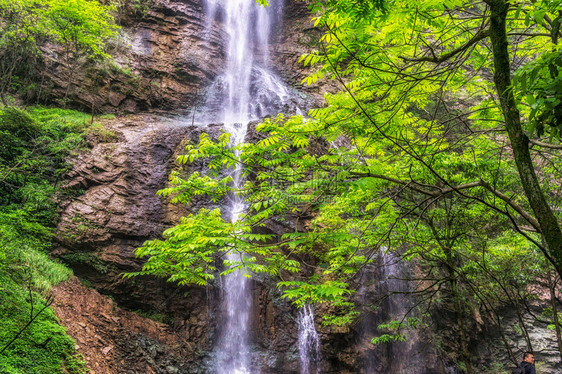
384,283
246,91
309,341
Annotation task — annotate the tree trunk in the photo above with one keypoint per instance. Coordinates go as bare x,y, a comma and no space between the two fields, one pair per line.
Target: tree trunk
554,305
550,229
460,324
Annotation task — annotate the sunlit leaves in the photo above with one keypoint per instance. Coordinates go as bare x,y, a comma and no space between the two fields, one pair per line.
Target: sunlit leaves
190,250
539,84
409,159
303,293
82,25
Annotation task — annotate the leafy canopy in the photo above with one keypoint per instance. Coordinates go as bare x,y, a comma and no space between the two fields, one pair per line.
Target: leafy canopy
409,159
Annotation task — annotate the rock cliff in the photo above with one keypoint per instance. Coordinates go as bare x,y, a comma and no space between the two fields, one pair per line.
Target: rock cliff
164,59
118,210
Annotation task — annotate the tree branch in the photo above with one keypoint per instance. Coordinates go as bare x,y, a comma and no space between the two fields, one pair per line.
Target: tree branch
32,319
545,145
513,205
482,34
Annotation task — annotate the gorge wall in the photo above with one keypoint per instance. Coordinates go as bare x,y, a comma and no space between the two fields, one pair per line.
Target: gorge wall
163,60
147,325
118,210
144,325
171,61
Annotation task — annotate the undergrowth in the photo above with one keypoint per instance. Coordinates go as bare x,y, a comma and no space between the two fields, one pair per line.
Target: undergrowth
34,146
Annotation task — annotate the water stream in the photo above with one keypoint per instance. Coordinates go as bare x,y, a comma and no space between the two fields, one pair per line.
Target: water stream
247,90
309,341
384,283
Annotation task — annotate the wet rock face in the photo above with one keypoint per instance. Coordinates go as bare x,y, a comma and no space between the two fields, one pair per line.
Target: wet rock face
120,177
161,61
296,36
118,209
165,58
489,348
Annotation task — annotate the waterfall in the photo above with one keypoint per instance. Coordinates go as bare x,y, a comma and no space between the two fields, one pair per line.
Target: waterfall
247,90
396,306
309,342
384,283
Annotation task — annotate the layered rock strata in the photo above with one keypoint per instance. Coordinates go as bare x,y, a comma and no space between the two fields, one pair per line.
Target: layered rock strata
117,210
164,58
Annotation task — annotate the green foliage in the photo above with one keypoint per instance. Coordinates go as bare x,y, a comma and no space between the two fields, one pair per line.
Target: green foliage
395,330
18,124
331,292
409,159
87,259
26,275
355,9
27,354
35,145
19,38
548,312
187,253
82,27
102,134
139,8
32,155
539,84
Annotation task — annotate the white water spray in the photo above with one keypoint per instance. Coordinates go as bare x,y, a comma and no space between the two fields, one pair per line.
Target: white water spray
247,89
309,341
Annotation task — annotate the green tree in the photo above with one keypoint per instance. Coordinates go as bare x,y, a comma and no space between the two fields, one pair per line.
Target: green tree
34,145
20,36
429,150
81,27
